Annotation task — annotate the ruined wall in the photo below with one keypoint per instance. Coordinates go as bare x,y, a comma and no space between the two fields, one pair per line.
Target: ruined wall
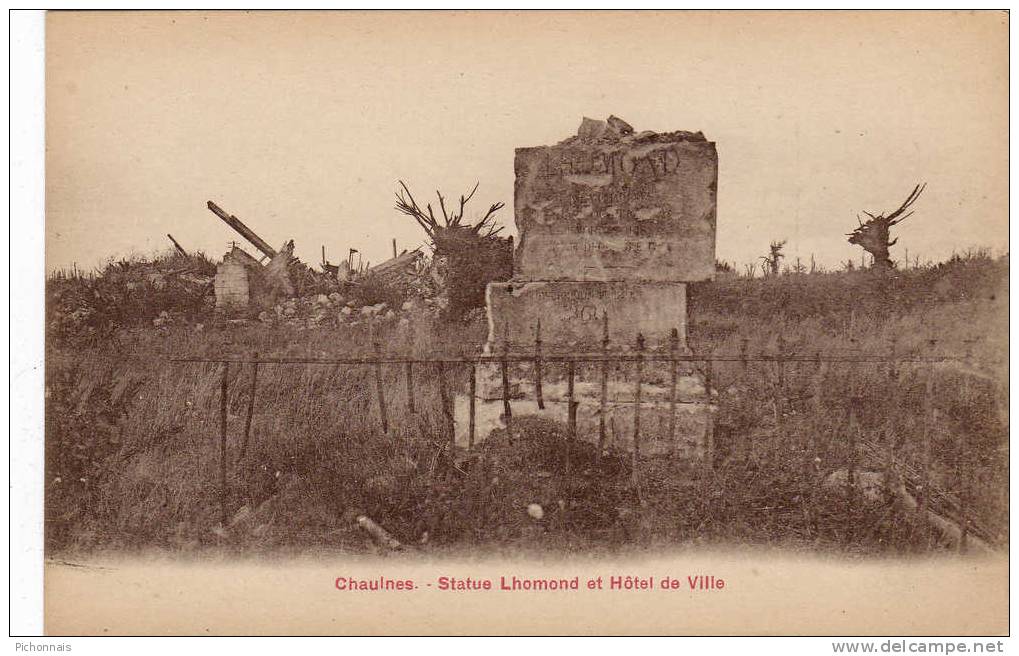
232,286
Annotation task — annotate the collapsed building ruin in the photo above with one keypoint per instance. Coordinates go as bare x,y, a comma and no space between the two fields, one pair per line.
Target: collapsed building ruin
245,284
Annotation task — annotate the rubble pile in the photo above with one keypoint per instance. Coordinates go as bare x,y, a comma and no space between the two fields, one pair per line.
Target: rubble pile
271,286
336,310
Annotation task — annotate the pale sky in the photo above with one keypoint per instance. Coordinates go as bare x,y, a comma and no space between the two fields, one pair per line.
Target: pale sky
301,123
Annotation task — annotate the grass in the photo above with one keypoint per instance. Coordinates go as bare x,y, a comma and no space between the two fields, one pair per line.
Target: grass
132,451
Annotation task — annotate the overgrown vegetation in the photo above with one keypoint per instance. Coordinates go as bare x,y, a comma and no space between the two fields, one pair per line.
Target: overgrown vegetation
468,255
132,439
89,306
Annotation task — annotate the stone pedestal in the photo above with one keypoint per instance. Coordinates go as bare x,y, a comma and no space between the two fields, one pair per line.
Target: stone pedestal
612,225
692,431
574,315
692,426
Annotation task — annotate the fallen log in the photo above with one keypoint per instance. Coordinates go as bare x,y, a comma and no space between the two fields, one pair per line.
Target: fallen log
379,534
178,247
243,230
873,487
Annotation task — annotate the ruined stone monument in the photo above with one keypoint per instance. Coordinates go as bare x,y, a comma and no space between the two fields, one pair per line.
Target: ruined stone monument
612,226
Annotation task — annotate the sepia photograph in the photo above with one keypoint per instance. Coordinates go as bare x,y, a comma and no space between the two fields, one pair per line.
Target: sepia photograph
672,323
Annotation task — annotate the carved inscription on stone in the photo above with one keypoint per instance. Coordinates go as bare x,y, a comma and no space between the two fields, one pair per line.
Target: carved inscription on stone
623,209
571,313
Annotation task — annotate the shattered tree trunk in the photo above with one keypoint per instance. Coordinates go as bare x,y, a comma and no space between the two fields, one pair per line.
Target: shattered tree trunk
874,236
276,274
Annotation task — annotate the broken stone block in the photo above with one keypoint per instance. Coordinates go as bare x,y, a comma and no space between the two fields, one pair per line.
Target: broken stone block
596,208
619,126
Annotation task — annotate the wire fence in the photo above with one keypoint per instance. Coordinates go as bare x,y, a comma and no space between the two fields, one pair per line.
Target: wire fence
436,368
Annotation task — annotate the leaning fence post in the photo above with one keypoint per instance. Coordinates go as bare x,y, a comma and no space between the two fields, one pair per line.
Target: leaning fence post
507,410
962,471
925,459
471,409
636,408
891,474
743,347
851,474
709,432
409,368
892,358
851,464
811,454
251,408
603,408
380,392
779,399
446,414
819,372
537,367
966,466
673,379
222,443
571,414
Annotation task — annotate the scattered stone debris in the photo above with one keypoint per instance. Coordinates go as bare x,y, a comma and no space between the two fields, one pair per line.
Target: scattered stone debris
404,264
246,287
327,310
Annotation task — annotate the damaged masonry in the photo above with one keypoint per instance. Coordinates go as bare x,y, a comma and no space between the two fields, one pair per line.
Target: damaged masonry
246,286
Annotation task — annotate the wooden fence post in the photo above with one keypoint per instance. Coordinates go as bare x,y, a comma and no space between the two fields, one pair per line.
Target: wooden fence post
409,369
779,399
812,454
893,372
379,390
673,380
251,408
709,428
537,367
603,408
962,476
818,399
965,465
851,474
507,410
471,410
636,410
447,415
224,388
571,414
925,457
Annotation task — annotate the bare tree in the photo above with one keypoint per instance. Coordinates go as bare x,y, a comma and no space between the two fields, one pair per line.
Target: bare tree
467,255
771,260
452,220
874,235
